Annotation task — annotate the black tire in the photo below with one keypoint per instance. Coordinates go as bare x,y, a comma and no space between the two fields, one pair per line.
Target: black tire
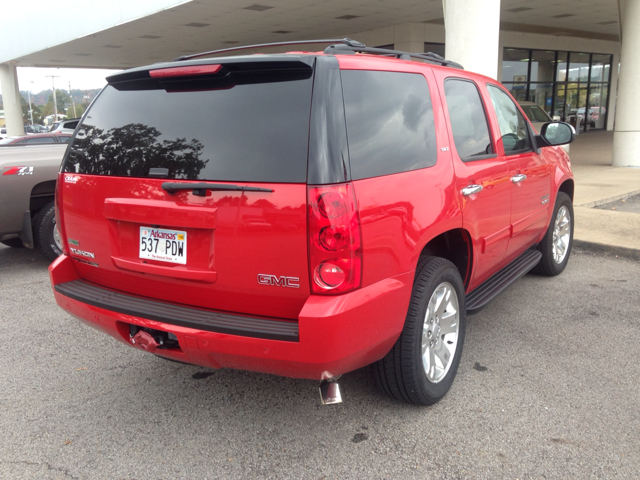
549,264
13,243
43,229
401,374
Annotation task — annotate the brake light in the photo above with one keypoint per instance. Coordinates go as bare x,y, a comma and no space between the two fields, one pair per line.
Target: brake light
185,71
59,222
335,246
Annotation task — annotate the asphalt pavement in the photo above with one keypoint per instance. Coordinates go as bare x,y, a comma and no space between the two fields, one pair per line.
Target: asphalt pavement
547,388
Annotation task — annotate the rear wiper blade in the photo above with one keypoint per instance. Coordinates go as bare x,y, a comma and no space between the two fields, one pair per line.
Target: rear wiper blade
200,189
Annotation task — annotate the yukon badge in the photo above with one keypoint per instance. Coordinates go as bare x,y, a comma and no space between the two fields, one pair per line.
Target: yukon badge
291,282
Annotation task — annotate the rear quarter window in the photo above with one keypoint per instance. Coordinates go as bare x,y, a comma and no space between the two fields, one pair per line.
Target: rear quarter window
390,123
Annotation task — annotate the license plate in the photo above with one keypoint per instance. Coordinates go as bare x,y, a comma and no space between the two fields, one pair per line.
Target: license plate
163,245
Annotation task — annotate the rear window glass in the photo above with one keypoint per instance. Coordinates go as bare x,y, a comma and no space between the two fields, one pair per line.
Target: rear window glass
390,123
255,132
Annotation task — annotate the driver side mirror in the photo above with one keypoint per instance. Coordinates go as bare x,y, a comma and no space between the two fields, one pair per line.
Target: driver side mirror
556,133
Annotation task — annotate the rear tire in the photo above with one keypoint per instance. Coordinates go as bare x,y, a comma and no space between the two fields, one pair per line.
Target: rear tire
47,237
421,366
13,243
556,244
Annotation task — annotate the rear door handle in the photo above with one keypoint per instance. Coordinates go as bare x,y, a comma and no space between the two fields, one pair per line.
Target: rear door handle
471,189
518,178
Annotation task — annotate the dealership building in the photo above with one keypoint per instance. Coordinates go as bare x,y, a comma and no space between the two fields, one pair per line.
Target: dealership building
578,60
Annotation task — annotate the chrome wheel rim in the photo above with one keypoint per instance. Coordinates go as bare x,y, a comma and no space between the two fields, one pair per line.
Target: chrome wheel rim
56,237
440,332
561,235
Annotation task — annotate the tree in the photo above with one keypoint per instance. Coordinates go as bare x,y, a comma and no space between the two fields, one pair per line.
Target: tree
63,100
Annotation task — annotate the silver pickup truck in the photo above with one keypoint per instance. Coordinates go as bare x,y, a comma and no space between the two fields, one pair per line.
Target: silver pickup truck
27,189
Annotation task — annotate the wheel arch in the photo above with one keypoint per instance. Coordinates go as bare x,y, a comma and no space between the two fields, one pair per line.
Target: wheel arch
454,245
567,187
41,194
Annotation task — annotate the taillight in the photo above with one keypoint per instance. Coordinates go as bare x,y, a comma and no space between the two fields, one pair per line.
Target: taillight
58,204
335,246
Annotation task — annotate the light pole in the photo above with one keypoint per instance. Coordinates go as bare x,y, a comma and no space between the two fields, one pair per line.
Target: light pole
75,115
55,103
29,98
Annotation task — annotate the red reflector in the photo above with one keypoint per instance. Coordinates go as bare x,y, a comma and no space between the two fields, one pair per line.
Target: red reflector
185,71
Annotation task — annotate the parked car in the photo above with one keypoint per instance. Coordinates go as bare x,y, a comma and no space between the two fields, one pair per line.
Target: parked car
538,117
36,139
66,126
27,187
336,210
3,133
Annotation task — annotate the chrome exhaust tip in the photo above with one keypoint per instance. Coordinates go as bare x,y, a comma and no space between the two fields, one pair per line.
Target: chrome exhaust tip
330,392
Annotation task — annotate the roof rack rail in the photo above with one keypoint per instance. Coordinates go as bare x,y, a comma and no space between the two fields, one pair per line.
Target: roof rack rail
357,47
346,41
344,45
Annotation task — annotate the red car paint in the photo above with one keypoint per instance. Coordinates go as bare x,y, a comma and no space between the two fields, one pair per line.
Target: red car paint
255,253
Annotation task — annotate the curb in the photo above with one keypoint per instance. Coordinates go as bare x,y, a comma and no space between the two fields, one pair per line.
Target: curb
631,253
604,201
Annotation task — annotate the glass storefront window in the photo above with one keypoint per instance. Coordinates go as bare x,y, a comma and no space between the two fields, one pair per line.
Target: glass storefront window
579,67
542,94
571,85
515,65
600,68
437,48
542,66
561,75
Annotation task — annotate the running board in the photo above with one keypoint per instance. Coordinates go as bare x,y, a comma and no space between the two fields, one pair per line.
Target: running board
501,280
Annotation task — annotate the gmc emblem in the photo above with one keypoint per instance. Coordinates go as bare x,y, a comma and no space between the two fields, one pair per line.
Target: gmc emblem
291,282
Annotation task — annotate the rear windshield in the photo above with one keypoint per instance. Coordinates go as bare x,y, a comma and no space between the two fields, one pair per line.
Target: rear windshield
255,132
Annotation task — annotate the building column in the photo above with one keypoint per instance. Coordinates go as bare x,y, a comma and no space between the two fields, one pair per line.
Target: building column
626,136
472,33
11,99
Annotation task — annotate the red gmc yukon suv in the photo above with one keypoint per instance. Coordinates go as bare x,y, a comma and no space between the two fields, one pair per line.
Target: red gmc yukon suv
307,214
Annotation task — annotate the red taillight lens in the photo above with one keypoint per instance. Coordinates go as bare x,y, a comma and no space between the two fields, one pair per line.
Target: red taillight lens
335,248
184,71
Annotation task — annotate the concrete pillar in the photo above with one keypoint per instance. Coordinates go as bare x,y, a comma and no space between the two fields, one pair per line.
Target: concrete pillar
11,99
472,33
613,92
626,136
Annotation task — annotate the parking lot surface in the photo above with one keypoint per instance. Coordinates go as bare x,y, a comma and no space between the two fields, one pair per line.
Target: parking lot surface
547,388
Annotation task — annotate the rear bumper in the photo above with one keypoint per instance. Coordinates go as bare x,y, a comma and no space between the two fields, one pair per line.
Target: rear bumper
333,335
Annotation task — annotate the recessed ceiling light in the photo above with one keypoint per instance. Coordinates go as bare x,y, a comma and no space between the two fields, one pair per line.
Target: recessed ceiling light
519,9
282,31
151,37
196,24
257,8
348,17
564,15
112,46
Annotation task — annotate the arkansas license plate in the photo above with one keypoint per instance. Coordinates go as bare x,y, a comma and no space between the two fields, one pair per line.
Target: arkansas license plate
163,245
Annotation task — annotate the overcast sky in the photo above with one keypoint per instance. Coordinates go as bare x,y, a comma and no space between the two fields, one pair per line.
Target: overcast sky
80,78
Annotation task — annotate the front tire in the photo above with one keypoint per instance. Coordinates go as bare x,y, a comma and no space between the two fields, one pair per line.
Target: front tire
47,236
421,366
557,242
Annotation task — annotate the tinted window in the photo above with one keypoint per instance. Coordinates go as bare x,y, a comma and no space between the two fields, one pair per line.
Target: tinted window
390,123
513,128
244,132
64,139
70,125
535,113
468,120
32,141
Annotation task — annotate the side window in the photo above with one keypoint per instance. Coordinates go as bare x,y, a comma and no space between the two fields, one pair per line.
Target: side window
513,128
468,120
32,141
390,123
